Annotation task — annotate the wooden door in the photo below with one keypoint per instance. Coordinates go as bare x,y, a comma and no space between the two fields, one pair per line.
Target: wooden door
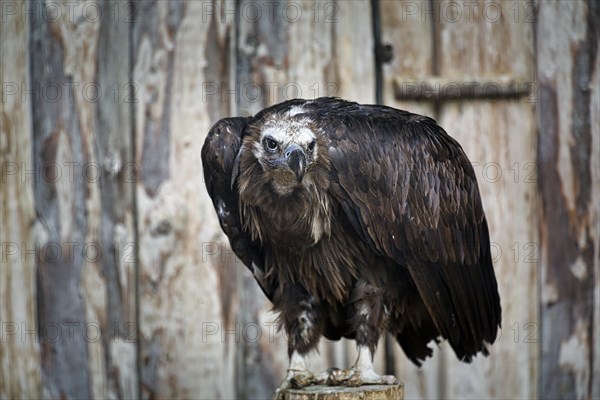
448,51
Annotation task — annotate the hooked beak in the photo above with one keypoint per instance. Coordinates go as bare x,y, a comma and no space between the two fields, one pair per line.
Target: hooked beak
296,160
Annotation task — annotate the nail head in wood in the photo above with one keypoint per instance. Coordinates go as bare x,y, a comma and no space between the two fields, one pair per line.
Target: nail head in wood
386,52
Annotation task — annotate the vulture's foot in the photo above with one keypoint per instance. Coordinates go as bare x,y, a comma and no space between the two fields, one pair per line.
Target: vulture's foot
301,379
359,377
369,377
361,373
295,379
298,376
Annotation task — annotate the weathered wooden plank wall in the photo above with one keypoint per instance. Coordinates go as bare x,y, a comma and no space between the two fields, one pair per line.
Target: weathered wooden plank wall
186,295
77,336
105,106
568,154
83,204
20,369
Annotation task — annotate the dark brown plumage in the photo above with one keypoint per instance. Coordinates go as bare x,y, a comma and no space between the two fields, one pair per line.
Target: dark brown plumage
356,220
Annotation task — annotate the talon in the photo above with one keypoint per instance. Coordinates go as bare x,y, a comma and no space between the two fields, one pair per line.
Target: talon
369,377
323,377
338,377
389,380
285,385
302,380
355,380
364,374
279,392
298,376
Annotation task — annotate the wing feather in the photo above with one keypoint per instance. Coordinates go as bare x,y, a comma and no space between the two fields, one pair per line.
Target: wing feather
409,191
219,155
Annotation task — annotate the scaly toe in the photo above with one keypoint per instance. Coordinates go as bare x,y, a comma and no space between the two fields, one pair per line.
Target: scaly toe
339,377
323,377
302,379
369,377
295,379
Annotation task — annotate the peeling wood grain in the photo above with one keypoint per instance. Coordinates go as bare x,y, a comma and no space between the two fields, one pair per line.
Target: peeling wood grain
84,212
61,134
595,221
114,152
20,369
186,301
569,192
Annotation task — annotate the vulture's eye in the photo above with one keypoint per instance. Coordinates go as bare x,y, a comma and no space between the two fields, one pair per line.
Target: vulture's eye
270,144
311,146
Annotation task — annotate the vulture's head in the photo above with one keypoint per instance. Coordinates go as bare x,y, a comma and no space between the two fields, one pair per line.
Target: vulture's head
282,153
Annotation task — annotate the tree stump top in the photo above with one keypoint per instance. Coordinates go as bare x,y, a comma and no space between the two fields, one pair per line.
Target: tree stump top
371,392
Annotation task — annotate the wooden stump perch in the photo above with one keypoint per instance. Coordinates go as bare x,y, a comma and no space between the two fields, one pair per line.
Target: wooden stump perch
371,392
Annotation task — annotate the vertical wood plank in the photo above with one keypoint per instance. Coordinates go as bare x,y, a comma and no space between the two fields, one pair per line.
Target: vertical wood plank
309,49
20,369
58,139
353,58
595,172
83,233
83,229
113,149
187,289
409,31
568,151
499,138
263,56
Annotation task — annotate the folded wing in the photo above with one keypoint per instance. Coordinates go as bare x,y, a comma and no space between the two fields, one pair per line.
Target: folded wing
410,192
219,155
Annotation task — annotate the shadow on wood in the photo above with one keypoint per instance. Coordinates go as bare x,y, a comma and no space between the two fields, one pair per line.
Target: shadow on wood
374,392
